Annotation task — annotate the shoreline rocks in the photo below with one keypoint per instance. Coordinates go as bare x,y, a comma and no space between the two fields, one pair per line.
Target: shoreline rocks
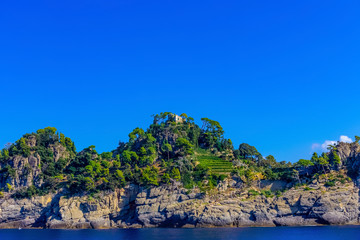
174,206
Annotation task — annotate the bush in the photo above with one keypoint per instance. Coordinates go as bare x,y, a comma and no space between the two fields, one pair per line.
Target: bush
267,193
187,181
278,193
330,184
26,193
253,192
149,176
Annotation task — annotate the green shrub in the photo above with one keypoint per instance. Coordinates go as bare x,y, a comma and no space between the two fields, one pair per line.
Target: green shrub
330,184
267,193
253,192
278,193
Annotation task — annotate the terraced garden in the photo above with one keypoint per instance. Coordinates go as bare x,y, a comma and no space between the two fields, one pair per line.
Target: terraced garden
217,165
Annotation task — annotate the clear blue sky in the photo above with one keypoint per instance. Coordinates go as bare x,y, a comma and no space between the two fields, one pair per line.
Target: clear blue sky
280,75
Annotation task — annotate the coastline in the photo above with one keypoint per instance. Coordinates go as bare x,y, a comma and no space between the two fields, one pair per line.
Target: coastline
174,207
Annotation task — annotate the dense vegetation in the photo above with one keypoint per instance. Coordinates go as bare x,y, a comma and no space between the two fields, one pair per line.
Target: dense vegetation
173,149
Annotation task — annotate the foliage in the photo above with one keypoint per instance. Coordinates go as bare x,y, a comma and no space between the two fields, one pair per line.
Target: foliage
173,148
330,184
184,146
211,132
304,163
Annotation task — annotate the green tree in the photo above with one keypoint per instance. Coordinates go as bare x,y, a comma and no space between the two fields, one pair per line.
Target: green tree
166,147
212,132
70,145
62,139
304,163
315,158
336,158
149,176
119,176
135,134
129,157
175,174
322,161
185,147
249,152
166,178
269,162
6,154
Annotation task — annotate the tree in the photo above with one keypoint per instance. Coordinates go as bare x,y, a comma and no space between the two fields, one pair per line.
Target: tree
62,139
162,117
185,147
88,183
322,161
249,152
315,158
25,149
70,144
135,134
212,132
357,139
269,162
336,158
175,174
295,175
5,154
9,187
129,157
304,163
184,115
149,176
331,147
166,147
119,176
166,178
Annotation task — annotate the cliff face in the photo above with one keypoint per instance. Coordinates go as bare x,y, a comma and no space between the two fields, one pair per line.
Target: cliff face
173,206
27,171
228,205
350,158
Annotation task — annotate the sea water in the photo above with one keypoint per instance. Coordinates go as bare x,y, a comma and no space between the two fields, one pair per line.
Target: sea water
278,233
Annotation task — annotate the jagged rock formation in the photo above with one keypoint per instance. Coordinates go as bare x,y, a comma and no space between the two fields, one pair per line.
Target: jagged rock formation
24,170
350,158
173,206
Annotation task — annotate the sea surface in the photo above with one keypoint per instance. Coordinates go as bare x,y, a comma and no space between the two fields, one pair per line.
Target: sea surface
278,233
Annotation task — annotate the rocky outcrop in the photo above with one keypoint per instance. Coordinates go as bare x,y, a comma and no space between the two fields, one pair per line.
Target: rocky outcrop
174,206
23,171
231,204
350,157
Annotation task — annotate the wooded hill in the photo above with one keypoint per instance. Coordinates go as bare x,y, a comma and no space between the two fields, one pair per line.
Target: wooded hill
173,148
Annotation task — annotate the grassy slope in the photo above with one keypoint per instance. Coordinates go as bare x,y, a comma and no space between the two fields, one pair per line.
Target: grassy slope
217,165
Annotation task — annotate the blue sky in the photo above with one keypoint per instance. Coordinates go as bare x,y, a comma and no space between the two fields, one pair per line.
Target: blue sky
280,75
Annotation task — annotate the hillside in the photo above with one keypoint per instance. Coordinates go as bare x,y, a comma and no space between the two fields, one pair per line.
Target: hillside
167,175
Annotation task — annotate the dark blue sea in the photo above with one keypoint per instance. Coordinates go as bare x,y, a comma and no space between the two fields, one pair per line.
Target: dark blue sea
286,233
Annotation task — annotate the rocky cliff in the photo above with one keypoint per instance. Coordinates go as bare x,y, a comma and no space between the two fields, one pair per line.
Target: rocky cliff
232,203
173,206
